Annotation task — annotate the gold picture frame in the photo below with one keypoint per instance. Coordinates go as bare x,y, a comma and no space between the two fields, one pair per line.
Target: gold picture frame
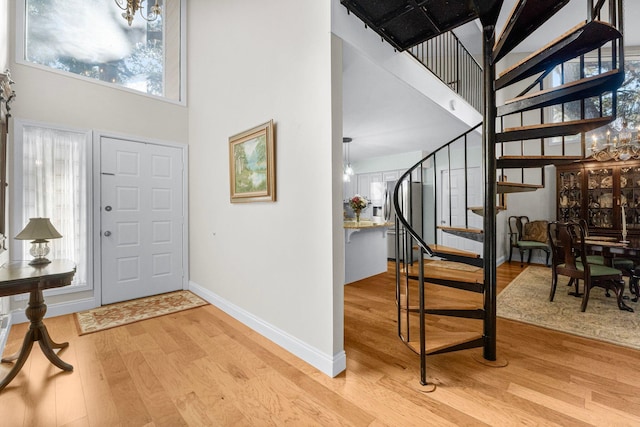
252,168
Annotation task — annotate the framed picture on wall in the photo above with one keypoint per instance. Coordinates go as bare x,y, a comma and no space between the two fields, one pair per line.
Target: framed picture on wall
252,173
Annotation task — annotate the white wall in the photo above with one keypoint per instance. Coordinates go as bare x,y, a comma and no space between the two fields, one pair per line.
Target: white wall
275,266
4,34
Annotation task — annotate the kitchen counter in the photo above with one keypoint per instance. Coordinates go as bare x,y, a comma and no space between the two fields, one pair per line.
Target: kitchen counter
366,224
365,249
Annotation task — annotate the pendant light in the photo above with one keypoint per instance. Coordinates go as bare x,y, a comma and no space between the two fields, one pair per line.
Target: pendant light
348,170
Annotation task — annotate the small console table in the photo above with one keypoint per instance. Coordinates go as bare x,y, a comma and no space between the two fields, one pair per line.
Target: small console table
19,278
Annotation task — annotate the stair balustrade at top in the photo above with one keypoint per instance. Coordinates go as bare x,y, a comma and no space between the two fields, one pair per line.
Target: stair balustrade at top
447,58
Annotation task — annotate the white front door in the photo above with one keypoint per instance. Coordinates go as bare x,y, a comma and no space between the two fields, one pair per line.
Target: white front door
142,218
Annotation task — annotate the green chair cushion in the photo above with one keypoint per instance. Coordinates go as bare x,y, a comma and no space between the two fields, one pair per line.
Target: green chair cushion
598,270
595,259
530,244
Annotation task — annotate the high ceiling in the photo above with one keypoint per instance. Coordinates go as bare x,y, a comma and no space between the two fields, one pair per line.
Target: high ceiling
386,116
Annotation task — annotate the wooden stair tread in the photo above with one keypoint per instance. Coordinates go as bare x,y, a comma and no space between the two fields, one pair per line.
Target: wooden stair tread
413,305
453,251
469,277
534,161
516,187
436,341
468,230
572,91
548,130
479,210
525,18
467,233
581,39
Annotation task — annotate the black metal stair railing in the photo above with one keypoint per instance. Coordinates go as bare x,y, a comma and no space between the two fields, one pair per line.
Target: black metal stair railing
447,58
408,237
454,153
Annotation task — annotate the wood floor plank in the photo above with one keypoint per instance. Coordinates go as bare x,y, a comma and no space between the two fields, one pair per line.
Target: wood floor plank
128,401
69,386
98,398
156,401
201,367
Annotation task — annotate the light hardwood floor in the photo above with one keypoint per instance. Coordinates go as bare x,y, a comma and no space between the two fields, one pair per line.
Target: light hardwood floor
200,367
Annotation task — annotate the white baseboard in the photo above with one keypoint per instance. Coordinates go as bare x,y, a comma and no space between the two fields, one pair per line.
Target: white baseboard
328,364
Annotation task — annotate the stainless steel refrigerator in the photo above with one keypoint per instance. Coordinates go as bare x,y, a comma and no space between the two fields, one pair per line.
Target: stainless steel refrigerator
411,208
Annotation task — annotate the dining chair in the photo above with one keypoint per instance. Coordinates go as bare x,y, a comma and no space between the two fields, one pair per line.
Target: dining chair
591,258
527,236
571,246
557,258
624,264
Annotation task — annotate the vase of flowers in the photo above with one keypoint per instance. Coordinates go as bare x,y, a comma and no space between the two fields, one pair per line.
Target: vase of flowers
358,204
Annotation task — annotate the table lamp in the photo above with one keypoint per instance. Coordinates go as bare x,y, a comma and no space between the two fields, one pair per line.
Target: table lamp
39,230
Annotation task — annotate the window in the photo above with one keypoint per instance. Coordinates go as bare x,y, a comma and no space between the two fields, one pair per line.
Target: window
628,96
92,40
52,182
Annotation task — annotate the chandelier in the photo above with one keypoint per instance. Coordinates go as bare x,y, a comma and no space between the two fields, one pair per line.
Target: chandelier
131,6
621,147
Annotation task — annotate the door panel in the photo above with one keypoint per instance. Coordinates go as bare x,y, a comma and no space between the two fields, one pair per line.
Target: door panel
141,219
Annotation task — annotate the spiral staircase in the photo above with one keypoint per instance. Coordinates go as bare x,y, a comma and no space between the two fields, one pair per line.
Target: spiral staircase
407,23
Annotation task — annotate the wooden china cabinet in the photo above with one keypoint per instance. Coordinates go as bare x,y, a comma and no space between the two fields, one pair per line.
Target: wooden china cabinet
597,192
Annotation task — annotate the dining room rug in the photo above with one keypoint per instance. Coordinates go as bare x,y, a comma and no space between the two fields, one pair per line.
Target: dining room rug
123,313
453,265
526,299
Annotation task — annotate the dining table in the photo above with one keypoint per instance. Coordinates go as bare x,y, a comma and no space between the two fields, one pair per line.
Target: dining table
613,248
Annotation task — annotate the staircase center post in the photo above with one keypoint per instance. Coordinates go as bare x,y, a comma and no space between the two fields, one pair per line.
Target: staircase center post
489,153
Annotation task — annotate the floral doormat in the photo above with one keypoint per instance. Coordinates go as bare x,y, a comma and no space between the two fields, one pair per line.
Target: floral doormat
123,313
526,299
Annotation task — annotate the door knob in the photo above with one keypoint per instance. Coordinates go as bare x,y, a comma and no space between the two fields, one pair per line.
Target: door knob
107,233
107,208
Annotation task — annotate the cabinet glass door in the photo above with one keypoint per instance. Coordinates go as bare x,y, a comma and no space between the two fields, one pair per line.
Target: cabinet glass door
600,198
570,195
630,195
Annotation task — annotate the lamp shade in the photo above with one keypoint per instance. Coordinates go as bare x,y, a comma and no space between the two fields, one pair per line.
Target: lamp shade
39,229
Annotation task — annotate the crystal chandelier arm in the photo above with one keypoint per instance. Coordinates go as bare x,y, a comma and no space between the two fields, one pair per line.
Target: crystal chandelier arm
153,13
121,4
132,6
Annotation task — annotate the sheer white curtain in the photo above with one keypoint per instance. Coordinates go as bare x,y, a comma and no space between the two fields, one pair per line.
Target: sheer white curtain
55,186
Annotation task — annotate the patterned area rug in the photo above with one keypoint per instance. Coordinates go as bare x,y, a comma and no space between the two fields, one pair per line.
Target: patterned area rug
526,299
122,313
454,265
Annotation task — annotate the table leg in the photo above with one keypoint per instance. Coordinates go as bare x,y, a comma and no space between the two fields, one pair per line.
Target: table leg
37,332
619,290
47,347
21,358
35,312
